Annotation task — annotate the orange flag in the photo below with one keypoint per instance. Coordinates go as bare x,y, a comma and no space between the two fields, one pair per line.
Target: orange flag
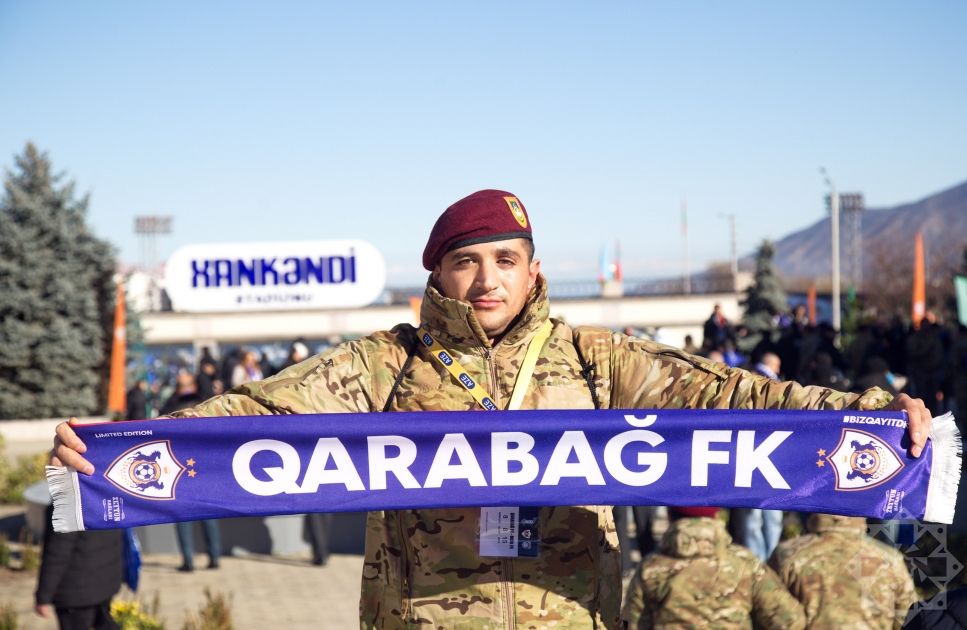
919,285
811,304
416,303
116,394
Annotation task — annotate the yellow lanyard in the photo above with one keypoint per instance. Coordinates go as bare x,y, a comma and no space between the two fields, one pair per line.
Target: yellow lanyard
447,360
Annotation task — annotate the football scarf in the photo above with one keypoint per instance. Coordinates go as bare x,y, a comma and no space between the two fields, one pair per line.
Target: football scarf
841,462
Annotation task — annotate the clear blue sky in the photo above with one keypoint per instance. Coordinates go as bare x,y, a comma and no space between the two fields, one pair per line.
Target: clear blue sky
273,121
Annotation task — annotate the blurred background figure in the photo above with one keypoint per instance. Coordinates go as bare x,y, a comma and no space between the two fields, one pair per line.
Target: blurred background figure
137,401
699,579
247,370
844,578
80,573
186,395
759,530
207,380
298,352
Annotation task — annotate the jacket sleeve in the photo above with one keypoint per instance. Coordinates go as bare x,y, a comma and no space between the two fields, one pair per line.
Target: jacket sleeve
906,592
336,381
55,560
635,613
647,375
772,605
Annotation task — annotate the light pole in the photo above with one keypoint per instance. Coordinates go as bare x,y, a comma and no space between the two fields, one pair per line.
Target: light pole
734,254
834,229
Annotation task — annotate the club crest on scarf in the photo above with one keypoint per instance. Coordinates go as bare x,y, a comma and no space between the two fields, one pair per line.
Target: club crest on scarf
149,471
861,460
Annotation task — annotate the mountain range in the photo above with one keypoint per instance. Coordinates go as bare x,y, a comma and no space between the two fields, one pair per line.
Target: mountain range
885,235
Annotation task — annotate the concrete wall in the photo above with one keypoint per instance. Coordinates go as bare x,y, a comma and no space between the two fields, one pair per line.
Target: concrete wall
677,315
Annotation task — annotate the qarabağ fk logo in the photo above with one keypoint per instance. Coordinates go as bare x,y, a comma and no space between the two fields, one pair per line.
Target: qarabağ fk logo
149,471
862,460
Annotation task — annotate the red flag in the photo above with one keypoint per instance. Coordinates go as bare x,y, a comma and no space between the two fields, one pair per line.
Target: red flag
617,260
811,304
919,285
116,392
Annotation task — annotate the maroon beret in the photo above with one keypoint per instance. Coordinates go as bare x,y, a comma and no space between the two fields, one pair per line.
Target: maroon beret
691,512
483,217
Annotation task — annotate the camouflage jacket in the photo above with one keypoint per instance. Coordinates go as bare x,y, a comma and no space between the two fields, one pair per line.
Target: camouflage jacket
422,567
699,579
844,578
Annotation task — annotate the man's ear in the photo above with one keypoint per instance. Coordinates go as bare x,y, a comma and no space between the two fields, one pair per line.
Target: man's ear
533,272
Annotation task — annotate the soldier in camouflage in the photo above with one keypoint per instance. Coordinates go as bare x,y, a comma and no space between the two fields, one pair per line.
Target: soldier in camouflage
485,301
844,578
699,579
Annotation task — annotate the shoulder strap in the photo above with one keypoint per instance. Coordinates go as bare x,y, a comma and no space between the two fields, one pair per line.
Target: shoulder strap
410,343
593,347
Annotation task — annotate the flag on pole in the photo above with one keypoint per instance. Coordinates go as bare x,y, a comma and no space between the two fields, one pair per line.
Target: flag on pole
811,304
617,261
960,287
919,283
416,305
604,270
116,394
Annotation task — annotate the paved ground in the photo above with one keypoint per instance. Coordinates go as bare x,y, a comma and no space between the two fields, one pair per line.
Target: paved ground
267,592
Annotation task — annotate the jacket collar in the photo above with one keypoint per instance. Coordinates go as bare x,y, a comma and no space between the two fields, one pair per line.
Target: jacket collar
834,523
455,324
693,537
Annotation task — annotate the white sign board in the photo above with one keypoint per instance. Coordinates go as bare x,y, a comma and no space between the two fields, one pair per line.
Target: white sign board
274,276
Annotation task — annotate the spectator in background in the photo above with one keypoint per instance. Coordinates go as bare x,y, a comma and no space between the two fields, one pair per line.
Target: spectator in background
208,382
925,363
80,573
137,401
843,578
959,369
699,579
875,373
717,329
731,356
690,346
951,617
298,352
247,369
759,530
824,373
185,396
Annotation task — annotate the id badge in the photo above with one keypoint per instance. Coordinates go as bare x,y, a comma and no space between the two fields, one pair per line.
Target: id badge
510,532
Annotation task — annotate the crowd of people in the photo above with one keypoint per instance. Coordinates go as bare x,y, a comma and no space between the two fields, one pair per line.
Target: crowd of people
928,362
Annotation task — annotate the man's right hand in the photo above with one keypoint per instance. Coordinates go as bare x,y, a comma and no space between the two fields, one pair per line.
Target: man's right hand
68,449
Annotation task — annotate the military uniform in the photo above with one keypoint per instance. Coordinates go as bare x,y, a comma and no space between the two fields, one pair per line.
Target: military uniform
844,578
422,567
699,579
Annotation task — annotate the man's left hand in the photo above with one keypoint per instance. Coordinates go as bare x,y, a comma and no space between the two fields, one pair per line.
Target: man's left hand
920,421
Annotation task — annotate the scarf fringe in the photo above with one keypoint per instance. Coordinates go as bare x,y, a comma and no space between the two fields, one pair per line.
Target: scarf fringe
945,471
66,495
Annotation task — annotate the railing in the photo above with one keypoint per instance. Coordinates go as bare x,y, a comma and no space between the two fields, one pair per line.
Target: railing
586,289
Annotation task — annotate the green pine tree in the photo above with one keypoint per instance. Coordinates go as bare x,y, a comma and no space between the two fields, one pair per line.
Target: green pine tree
764,300
56,296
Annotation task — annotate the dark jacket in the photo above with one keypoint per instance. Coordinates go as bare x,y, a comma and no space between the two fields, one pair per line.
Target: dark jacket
81,568
177,402
952,617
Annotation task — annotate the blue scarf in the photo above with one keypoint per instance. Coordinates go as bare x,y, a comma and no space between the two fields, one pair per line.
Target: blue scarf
841,462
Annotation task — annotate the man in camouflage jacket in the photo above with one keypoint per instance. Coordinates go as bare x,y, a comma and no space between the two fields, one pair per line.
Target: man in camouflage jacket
699,579
844,578
484,302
